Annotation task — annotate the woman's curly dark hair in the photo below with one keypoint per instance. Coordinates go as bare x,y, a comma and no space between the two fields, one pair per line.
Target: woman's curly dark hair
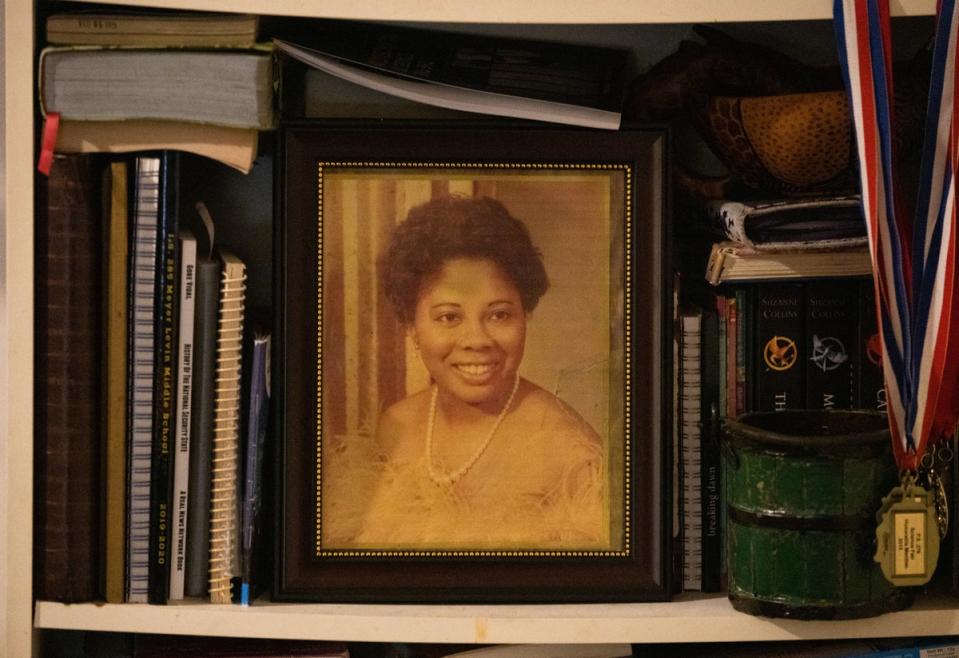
457,226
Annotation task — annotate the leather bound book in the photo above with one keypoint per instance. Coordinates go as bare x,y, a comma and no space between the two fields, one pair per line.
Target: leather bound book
68,307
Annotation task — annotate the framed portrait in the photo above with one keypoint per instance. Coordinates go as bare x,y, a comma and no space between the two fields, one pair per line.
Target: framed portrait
470,377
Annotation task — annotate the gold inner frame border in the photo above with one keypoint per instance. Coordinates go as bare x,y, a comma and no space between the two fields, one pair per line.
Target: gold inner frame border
627,552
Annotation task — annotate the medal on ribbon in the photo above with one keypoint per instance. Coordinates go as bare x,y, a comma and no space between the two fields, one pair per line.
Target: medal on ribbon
914,256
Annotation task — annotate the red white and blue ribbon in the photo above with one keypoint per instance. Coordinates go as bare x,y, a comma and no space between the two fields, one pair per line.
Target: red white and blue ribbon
913,250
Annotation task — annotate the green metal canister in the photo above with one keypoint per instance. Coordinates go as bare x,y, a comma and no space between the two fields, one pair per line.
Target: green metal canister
802,490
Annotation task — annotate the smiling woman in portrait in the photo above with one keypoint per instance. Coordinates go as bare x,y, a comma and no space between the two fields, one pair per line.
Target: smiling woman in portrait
482,458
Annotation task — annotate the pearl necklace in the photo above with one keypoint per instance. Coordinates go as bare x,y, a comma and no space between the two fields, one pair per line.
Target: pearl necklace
452,478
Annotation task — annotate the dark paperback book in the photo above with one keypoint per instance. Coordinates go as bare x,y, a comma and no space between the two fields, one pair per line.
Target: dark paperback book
164,418
831,339
524,78
201,420
778,346
253,540
711,537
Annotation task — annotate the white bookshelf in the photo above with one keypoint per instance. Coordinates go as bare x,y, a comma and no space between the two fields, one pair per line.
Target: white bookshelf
691,619
701,619
16,330
539,11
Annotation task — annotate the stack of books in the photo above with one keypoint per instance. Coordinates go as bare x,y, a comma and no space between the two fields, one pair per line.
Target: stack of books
163,438
133,82
163,449
783,320
787,239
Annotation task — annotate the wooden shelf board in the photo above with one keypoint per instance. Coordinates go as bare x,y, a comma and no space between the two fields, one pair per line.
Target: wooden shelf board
539,11
690,619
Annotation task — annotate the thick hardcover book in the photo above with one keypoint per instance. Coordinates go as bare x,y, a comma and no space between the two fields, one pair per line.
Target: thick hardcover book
808,223
872,389
690,409
201,424
257,400
116,250
779,347
184,396
564,83
68,431
224,486
709,475
235,147
732,261
141,362
154,30
832,341
224,88
164,391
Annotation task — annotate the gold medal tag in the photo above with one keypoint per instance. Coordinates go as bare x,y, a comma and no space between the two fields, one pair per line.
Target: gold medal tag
907,538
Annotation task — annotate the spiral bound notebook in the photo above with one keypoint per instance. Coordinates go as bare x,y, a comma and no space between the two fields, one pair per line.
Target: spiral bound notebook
224,505
142,363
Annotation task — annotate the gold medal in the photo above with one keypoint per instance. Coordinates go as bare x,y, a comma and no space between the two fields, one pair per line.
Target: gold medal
907,538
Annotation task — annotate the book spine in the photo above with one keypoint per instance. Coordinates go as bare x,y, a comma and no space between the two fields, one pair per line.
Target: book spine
709,481
115,382
872,388
690,410
257,421
68,383
676,461
116,29
779,347
732,347
164,419
181,460
224,545
237,87
722,309
831,337
141,367
201,421
744,328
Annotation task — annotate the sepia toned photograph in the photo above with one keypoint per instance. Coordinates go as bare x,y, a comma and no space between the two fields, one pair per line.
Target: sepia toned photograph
471,335
471,383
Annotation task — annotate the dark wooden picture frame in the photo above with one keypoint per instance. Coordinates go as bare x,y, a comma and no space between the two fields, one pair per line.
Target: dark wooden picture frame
572,502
